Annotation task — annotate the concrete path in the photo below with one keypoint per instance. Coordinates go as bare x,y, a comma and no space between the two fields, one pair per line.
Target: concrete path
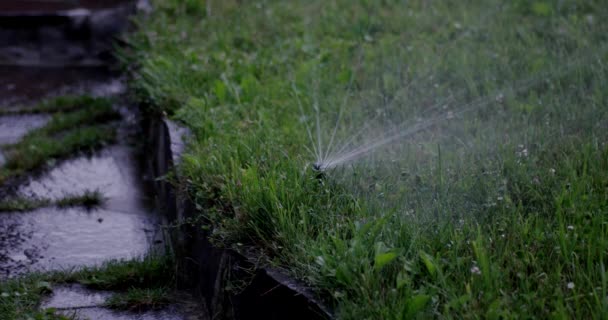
61,49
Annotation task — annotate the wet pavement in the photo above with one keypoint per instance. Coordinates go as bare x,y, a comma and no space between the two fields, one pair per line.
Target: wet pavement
15,127
76,300
126,225
23,85
61,32
54,239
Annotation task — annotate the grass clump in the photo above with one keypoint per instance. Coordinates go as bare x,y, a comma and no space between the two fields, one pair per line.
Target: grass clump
20,298
22,204
78,124
152,271
89,200
61,104
34,152
136,299
75,119
490,203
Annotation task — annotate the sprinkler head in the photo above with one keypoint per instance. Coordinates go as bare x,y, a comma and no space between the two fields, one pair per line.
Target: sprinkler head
317,166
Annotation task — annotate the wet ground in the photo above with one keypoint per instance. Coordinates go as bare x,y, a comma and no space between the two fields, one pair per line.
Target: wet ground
52,238
82,303
61,32
126,225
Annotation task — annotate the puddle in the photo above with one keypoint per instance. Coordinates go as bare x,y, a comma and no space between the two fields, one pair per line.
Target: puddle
112,171
52,238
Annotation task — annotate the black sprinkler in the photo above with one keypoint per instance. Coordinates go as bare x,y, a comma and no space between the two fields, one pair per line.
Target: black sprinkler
319,171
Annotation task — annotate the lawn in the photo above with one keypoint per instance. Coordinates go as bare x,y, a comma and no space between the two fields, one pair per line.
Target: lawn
462,147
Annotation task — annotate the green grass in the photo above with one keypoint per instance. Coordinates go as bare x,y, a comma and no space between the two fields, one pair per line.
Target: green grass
135,299
77,118
497,209
141,284
89,199
38,150
60,104
78,124
20,298
152,271
20,204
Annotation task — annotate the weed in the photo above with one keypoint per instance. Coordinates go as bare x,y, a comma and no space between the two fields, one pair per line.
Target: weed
89,199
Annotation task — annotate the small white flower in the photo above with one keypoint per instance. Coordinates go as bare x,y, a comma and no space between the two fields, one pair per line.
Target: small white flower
570,285
500,98
475,270
522,152
552,171
320,261
570,227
